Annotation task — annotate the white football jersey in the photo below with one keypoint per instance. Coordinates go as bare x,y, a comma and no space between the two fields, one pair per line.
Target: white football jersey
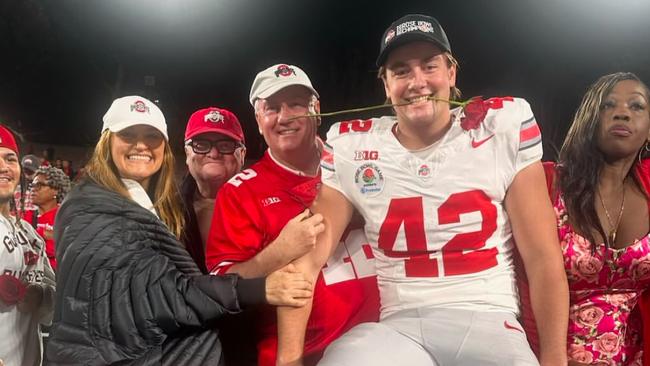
22,255
438,228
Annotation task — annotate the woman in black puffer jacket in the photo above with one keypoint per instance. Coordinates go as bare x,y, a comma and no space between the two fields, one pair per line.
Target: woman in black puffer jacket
128,293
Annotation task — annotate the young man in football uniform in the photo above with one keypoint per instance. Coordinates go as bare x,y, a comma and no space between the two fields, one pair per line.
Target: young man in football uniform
262,221
444,193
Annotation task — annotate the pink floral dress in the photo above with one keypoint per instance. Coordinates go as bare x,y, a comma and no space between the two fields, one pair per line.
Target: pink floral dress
604,326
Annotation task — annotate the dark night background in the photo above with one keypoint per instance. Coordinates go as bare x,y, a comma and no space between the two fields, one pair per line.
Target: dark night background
62,62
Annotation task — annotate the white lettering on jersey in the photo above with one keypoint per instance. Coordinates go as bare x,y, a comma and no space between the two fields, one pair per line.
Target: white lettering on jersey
270,200
239,178
350,261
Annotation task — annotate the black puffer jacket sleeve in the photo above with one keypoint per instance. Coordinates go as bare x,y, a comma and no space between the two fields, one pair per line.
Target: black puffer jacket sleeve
129,292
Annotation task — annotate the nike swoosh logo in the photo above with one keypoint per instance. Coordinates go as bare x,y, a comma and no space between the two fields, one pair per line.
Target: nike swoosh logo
508,326
478,143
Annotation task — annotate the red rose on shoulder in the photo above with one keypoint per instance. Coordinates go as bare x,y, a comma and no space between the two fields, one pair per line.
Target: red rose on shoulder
475,112
476,109
12,290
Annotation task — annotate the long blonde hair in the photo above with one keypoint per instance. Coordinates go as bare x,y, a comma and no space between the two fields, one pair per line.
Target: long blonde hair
102,170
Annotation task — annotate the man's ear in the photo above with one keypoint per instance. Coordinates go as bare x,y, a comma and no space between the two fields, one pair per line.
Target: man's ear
240,155
187,154
386,91
317,106
452,75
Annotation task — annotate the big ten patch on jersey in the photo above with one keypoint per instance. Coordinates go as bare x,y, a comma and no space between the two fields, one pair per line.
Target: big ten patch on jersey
353,259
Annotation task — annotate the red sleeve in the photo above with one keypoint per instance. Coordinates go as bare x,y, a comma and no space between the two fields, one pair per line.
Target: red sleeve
28,215
237,229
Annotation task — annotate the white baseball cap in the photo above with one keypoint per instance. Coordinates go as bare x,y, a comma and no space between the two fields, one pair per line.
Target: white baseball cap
134,110
277,77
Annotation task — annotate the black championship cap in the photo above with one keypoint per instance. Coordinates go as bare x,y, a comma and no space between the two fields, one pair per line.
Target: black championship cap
409,28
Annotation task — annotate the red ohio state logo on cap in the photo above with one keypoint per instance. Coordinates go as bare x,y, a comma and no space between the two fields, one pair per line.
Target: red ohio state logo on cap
139,106
284,70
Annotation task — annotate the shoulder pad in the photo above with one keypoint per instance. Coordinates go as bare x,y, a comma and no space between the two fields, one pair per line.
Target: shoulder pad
495,114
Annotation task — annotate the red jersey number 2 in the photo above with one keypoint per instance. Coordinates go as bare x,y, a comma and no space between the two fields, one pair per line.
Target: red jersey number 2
462,254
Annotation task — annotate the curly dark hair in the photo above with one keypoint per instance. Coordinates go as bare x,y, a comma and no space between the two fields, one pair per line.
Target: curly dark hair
57,179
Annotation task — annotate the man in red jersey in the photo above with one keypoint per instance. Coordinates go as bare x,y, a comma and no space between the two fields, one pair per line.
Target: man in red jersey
261,221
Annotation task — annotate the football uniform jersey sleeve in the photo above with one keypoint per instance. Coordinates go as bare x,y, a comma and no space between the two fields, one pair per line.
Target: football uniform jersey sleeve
236,233
329,161
529,137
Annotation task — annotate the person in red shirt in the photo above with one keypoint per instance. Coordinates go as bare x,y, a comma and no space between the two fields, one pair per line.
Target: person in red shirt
49,187
261,221
215,152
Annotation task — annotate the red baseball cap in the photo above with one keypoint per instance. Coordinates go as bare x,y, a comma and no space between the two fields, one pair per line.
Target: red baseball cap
214,119
7,139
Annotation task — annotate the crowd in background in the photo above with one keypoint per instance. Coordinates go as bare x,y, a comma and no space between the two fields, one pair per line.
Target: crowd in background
327,251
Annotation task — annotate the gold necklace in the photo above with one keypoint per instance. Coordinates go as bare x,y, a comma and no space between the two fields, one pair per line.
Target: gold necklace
611,238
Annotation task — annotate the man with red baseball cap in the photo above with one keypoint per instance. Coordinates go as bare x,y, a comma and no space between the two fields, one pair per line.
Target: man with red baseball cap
215,151
26,278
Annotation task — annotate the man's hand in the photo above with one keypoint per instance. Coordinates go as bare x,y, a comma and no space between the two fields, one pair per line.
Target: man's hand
288,287
298,236
32,300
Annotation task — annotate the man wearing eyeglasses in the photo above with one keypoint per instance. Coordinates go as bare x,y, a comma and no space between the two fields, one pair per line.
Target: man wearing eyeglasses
262,223
215,151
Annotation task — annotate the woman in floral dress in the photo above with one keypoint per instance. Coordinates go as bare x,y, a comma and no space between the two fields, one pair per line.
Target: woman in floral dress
599,190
